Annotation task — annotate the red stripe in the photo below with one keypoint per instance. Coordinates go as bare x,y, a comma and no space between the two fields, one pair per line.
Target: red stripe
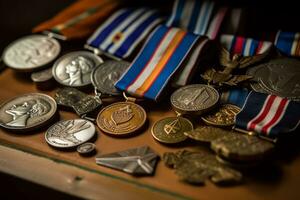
160,42
238,46
260,44
166,63
278,113
266,109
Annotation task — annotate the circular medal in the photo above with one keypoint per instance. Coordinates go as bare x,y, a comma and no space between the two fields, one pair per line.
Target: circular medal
27,112
206,133
74,69
70,133
194,99
279,77
223,116
121,118
86,148
31,52
171,130
104,76
241,147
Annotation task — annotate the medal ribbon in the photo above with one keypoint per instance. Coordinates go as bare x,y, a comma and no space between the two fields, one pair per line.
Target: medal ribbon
164,52
268,115
199,17
244,46
80,19
235,96
288,43
123,31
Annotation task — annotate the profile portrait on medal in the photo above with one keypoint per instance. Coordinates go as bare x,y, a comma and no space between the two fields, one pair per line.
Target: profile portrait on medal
33,52
28,110
76,69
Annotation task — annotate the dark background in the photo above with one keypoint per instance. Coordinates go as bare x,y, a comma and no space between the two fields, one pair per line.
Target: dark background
18,17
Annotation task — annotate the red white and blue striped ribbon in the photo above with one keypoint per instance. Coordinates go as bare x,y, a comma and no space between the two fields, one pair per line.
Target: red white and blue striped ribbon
288,43
164,52
199,17
269,115
244,46
124,31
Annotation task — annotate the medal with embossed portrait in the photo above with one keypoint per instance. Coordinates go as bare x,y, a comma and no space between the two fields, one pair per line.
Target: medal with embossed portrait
121,118
74,69
27,112
70,133
194,99
31,52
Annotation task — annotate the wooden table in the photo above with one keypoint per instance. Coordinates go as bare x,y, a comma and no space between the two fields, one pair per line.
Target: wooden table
29,157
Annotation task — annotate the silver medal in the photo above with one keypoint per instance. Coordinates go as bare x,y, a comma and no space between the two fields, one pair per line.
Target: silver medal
74,69
31,52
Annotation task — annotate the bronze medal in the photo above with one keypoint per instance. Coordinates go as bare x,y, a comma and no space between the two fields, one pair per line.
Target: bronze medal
121,118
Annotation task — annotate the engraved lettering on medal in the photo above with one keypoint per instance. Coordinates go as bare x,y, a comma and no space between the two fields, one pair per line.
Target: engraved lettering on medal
76,69
65,132
172,127
21,113
122,115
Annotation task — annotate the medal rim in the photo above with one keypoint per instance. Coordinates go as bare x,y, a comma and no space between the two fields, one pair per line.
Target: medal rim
30,69
219,124
167,142
32,127
124,133
194,111
68,147
60,59
87,152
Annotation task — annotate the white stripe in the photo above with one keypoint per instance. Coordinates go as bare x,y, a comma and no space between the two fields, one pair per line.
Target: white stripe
265,47
260,112
247,48
103,26
279,119
171,19
143,35
258,127
276,37
153,62
203,20
217,20
182,78
116,30
226,41
129,30
186,14
295,43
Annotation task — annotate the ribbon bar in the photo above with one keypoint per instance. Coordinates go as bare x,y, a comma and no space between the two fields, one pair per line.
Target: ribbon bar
163,53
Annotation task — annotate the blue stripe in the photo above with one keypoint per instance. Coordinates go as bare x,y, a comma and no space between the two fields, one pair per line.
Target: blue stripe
179,10
107,30
128,25
285,42
204,21
194,16
171,66
244,45
232,44
123,49
237,97
142,59
253,47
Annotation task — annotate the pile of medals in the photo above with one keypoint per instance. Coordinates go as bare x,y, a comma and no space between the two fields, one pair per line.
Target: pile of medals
238,126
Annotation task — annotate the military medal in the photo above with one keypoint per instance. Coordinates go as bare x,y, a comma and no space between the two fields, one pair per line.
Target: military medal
171,130
86,149
105,76
194,99
74,69
136,161
70,133
196,167
27,112
80,102
121,118
223,116
31,52
279,77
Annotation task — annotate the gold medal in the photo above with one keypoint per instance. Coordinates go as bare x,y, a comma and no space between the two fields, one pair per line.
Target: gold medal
121,118
224,116
171,130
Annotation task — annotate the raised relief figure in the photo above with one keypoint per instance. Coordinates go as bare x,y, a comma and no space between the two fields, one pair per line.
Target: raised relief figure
29,109
76,69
